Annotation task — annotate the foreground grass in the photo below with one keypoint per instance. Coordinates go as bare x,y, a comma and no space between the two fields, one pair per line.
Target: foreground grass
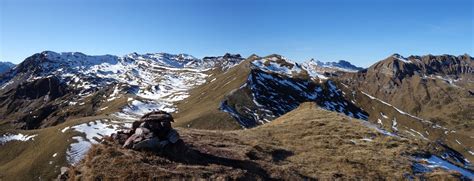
307,143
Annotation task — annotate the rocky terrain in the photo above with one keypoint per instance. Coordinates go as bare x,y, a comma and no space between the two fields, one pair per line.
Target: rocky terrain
260,117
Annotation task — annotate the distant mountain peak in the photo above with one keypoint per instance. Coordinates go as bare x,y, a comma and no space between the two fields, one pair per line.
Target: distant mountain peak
401,58
277,64
341,65
5,66
229,55
224,62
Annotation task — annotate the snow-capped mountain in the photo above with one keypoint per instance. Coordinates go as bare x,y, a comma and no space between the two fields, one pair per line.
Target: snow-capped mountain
5,66
330,67
148,81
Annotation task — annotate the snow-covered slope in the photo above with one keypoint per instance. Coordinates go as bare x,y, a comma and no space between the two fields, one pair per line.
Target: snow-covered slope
146,81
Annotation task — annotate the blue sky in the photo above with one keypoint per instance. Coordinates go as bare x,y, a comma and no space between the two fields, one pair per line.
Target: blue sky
361,31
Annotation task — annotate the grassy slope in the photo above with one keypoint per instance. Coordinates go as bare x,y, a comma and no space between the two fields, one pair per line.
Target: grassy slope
305,143
432,97
30,160
201,108
321,141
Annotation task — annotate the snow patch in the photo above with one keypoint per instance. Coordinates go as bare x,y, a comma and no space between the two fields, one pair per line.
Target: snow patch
394,124
436,162
65,129
458,142
400,111
269,65
379,121
401,58
77,150
91,133
15,137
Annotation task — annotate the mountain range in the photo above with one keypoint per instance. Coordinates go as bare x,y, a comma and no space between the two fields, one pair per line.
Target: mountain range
66,102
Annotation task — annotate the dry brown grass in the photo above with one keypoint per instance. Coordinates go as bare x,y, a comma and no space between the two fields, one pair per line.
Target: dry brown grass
323,143
305,143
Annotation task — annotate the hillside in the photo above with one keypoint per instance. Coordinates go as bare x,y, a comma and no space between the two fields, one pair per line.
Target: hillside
427,96
307,142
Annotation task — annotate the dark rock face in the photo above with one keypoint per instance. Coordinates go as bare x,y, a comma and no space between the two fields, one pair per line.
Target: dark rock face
224,62
226,56
50,87
32,102
34,119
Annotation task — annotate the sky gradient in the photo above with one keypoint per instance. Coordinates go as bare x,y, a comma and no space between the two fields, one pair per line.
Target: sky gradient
362,32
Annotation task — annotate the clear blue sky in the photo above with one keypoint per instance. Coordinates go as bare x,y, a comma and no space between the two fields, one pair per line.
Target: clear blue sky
362,31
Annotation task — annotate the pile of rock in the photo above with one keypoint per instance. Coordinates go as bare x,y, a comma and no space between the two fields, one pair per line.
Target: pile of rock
152,132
